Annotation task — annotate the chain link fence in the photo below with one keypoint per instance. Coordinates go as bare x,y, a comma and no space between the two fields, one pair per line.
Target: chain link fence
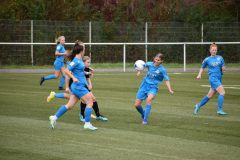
98,32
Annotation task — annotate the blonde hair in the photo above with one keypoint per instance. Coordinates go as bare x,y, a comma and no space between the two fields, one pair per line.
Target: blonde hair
213,45
85,58
59,39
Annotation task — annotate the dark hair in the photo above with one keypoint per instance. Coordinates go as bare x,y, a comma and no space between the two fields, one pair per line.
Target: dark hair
77,48
159,55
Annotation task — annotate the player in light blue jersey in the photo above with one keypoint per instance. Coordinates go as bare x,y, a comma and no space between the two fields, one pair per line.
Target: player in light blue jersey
75,71
149,86
58,63
216,66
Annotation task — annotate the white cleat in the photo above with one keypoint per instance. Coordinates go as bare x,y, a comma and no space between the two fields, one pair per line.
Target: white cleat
89,126
53,121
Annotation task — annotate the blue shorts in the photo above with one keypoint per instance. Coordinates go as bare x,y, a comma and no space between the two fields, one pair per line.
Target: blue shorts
215,81
79,90
146,89
58,65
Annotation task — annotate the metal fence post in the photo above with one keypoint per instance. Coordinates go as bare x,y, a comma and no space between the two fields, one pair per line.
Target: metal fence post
32,42
202,32
124,57
146,40
184,57
90,39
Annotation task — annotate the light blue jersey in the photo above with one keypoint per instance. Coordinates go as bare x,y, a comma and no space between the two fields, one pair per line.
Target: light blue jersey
214,64
149,85
77,68
155,74
60,48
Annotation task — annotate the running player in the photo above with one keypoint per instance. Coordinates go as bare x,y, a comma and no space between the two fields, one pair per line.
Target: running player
149,86
78,89
215,64
58,63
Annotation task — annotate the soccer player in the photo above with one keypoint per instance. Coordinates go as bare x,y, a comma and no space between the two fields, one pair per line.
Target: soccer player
149,86
78,89
215,64
58,63
88,73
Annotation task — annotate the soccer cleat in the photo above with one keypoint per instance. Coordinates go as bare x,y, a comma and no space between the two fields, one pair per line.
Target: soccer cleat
101,118
61,88
81,118
89,126
196,109
144,122
52,121
51,96
221,113
42,80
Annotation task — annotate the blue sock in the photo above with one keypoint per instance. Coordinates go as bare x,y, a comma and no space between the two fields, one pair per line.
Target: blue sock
59,95
220,102
62,81
52,76
88,112
204,101
61,111
147,112
140,110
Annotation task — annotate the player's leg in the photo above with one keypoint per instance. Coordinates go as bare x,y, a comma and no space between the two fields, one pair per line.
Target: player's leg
53,95
57,66
148,107
63,109
97,110
82,111
88,111
204,100
221,92
139,108
62,79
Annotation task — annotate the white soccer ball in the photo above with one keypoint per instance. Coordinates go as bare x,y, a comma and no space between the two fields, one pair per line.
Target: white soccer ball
139,65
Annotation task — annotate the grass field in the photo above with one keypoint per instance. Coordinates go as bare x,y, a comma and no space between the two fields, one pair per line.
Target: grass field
173,132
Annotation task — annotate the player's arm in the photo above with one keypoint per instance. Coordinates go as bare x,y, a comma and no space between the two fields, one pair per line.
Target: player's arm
57,53
204,65
67,79
69,74
199,76
169,86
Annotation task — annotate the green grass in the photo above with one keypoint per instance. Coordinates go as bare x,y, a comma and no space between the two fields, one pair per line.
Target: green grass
173,132
112,65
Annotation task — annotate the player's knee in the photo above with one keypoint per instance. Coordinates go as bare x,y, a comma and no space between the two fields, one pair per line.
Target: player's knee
149,101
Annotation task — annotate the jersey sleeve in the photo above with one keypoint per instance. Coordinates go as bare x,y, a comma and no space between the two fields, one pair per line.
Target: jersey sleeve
87,70
222,62
148,64
58,48
72,65
165,75
204,63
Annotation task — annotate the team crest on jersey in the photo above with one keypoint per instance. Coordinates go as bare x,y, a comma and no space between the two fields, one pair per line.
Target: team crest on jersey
215,64
157,71
218,58
58,47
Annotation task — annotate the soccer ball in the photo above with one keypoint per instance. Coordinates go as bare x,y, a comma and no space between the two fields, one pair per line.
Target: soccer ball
139,65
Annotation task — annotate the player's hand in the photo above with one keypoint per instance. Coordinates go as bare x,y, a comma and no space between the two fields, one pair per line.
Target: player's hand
67,90
90,87
171,92
75,80
199,77
138,73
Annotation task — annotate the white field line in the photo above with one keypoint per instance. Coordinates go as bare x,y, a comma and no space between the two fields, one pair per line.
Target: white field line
226,86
